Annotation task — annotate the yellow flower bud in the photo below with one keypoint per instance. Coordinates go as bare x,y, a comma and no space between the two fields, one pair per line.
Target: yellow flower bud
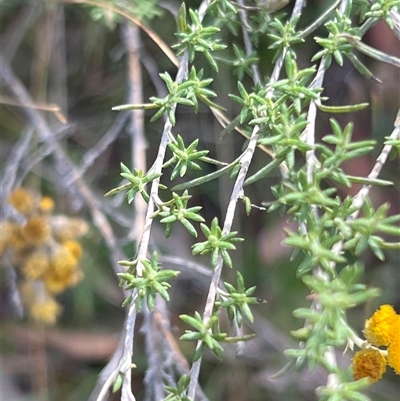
394,347
46,204
74,247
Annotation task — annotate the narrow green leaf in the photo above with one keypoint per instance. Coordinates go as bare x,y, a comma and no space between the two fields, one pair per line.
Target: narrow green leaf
189,227
227,259
342,109
263,171
361,68
168,219
118,189
369,181
206,178
182,24
145,106
118,383
127,301
245,337
191,321
190,336
214,257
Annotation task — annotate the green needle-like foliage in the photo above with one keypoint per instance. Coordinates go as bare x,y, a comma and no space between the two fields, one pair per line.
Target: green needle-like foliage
153,281
284,36
184,158
176,210
335,45
237,300
178,393
217,243
137,183
196,38
279,116
241,64
381,10
204,334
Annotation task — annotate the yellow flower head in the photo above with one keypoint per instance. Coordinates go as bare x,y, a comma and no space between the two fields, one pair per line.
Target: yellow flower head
45,311
62,261
62,272
74,247
21,200
35,265
380,328
394,348
36,230
56,283
369,363
46,204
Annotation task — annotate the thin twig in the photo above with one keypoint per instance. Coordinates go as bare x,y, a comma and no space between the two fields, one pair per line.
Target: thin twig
359,198
153,380
101,146
156,168
395,17
39,153
132,43
247,42
17,154
151,67
237,192
54,108
15,32
118,10
10,80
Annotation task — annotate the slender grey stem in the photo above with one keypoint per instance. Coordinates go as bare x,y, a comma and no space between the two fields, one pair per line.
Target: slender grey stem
247,42
395,17
157,168
309,137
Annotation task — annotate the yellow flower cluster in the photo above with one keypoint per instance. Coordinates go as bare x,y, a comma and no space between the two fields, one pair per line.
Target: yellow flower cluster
45,250
382,329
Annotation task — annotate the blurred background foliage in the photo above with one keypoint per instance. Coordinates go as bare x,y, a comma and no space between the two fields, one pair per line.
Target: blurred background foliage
74,56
